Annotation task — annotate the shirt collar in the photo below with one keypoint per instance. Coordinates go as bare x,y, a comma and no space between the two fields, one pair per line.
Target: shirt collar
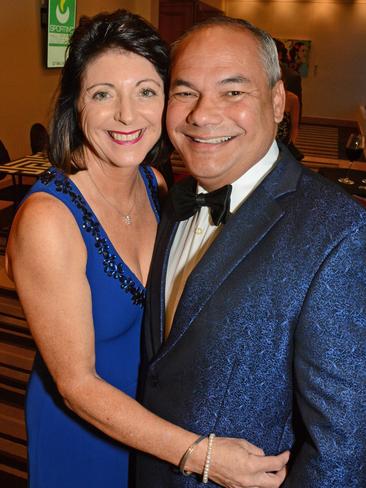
248,182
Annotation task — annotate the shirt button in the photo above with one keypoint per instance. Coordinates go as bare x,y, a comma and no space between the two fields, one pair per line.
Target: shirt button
198,230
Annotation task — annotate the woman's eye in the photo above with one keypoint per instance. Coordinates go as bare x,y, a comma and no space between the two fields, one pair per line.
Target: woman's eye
148,92
100,96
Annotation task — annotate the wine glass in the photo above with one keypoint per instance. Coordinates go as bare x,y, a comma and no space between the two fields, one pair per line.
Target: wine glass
363,181
354,148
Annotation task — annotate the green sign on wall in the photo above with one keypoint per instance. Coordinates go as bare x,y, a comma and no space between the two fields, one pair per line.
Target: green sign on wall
61,24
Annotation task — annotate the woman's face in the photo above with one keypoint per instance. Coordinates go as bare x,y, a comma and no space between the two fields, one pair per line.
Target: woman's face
120,107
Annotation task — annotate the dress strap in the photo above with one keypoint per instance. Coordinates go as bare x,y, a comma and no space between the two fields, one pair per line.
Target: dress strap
151,183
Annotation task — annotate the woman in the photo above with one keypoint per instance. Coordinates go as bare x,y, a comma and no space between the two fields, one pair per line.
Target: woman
79,253
288,128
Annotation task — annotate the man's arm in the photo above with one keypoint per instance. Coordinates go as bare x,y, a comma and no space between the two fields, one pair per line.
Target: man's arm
330,372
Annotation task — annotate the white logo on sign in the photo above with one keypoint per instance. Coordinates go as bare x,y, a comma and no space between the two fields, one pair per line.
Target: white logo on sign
62,17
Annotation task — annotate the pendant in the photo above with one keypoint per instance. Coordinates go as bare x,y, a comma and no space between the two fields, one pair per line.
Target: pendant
127,219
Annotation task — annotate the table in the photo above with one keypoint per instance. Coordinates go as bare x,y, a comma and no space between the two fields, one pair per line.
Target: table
358,188
33,165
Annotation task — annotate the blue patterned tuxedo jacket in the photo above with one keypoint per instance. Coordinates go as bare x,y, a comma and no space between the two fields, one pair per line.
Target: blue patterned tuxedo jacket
268,341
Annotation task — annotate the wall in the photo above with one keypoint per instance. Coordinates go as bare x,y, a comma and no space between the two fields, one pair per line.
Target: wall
27,87
220,4
336,84
335,87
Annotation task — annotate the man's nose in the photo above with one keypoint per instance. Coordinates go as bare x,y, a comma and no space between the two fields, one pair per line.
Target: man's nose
205,112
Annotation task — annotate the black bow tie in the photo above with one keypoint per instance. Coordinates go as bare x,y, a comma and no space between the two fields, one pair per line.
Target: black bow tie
186,202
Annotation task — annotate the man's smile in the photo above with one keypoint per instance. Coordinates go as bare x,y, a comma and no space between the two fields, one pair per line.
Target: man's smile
211,140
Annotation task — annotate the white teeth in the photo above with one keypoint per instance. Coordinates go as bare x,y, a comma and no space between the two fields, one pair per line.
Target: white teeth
215,140
125,137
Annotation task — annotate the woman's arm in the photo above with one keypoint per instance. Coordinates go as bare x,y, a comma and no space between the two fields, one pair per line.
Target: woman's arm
294,114
47,257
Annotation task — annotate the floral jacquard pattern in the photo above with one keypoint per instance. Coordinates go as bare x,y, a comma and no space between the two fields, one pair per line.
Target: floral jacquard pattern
112,264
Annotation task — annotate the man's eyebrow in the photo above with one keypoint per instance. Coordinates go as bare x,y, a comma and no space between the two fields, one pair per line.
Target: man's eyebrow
226,81
179,82
234,79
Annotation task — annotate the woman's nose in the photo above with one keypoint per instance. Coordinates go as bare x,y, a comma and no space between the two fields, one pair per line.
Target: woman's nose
125,110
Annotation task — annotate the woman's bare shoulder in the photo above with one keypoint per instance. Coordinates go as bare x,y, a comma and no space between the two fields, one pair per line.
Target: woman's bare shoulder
292,98
43,229
42,213
163,188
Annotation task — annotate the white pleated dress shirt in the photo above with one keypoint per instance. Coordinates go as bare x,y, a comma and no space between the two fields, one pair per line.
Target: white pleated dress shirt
195,235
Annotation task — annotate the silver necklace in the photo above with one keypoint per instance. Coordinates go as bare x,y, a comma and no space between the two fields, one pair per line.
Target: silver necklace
126,217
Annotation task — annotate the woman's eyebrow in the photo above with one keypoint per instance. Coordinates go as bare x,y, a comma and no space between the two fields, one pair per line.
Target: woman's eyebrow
102,83
147,80
111,85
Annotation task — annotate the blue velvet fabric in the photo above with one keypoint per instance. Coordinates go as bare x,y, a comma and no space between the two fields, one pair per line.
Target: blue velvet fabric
268,341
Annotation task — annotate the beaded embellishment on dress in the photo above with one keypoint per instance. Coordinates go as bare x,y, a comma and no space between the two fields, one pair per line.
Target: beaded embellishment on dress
113,265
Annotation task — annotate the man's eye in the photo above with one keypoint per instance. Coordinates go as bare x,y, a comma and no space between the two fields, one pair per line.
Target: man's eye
101,95
234,93
148,92
183,94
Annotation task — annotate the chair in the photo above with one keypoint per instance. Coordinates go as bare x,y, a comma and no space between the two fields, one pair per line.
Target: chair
6,212
38,138
14,192
4,157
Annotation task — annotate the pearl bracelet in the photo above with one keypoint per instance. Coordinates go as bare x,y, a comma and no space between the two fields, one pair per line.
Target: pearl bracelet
206,469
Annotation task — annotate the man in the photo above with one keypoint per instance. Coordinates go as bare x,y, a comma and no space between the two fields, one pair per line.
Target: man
255,328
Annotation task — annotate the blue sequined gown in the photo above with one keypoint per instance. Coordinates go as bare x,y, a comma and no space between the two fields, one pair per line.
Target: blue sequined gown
63,450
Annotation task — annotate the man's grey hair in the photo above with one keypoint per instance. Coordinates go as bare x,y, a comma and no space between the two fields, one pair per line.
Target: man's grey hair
266,45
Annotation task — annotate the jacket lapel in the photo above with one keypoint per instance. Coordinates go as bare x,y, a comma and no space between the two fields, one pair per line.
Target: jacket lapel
155,303
154,322
244,230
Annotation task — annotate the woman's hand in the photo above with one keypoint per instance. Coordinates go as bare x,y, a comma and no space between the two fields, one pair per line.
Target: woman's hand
236,463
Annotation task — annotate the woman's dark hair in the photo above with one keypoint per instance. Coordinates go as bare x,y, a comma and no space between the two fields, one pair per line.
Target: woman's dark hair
94,36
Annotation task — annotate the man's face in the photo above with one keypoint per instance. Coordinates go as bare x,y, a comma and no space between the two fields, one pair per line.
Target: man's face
222,115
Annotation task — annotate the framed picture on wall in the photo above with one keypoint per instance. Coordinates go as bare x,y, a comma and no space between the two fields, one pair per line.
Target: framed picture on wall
61,25
298,54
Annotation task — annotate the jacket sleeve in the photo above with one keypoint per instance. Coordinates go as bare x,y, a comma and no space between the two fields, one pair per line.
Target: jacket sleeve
330,372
